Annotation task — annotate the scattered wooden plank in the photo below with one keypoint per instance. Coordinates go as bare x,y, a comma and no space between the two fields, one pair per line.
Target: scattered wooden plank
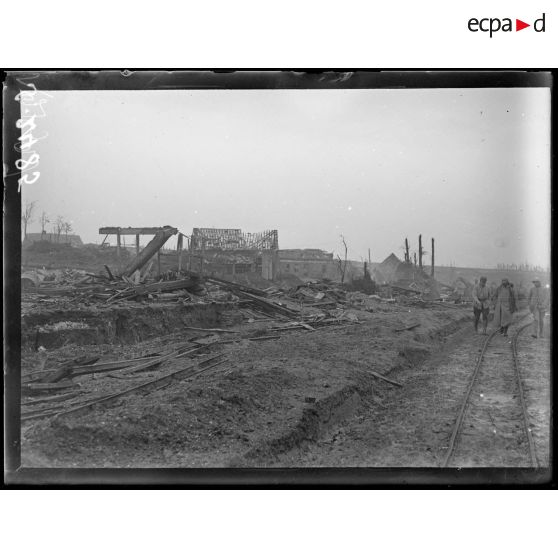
108,366
293,326
237,286
263,338
149,386
158,360
386,379
214,330
87,369
406,328
65,370
51,399
27,415
268,306
59,374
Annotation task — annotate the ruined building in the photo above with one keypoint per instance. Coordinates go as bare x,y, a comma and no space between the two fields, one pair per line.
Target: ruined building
311,263
232,252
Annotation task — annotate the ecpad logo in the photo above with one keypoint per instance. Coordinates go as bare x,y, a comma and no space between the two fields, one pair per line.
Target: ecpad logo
492,25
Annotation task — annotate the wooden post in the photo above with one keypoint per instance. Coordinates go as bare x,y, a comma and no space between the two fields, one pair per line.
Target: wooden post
415,256
420,251
369,260
407,259
118,245
432,269
179,244
137,244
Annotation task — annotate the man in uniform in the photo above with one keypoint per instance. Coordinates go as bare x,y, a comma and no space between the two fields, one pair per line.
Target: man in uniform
481,304
538,303
505,306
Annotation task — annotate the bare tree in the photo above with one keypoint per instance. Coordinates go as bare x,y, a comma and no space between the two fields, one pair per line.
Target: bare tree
342,264
67,228
27,216
44,220
59,226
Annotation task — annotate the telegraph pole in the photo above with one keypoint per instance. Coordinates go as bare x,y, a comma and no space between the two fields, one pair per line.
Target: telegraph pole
432,269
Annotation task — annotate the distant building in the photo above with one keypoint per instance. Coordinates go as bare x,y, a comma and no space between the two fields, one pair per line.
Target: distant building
311,263
71,239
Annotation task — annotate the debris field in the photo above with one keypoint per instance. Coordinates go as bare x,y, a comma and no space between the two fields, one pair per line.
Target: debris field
198,371
223,355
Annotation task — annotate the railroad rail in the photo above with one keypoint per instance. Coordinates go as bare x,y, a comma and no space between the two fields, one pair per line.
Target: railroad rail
458,426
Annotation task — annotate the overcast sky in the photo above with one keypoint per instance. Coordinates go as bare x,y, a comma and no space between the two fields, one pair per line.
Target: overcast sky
470,167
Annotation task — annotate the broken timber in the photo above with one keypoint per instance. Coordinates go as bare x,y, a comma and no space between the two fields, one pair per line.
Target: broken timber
146,386
150,250
386,379
406,328
269,306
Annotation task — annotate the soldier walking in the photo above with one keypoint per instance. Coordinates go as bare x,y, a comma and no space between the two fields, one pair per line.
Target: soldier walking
481,304
538,304
505,306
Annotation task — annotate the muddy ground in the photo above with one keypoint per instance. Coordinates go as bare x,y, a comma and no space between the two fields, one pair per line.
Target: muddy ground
308,398
412,427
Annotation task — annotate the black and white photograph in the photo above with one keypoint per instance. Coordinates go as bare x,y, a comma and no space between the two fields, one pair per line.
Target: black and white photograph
286,271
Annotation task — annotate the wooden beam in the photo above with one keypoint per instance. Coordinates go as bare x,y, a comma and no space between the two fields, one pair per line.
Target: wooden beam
135,230
137,244
385,379
179,243
149,251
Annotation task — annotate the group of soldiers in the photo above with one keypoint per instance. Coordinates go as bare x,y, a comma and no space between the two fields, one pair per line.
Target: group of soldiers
503,302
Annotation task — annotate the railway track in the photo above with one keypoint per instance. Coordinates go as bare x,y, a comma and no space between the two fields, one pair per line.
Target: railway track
492,428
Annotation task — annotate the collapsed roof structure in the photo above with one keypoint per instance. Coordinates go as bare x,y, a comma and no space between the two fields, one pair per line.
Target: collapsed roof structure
230,252
233,239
